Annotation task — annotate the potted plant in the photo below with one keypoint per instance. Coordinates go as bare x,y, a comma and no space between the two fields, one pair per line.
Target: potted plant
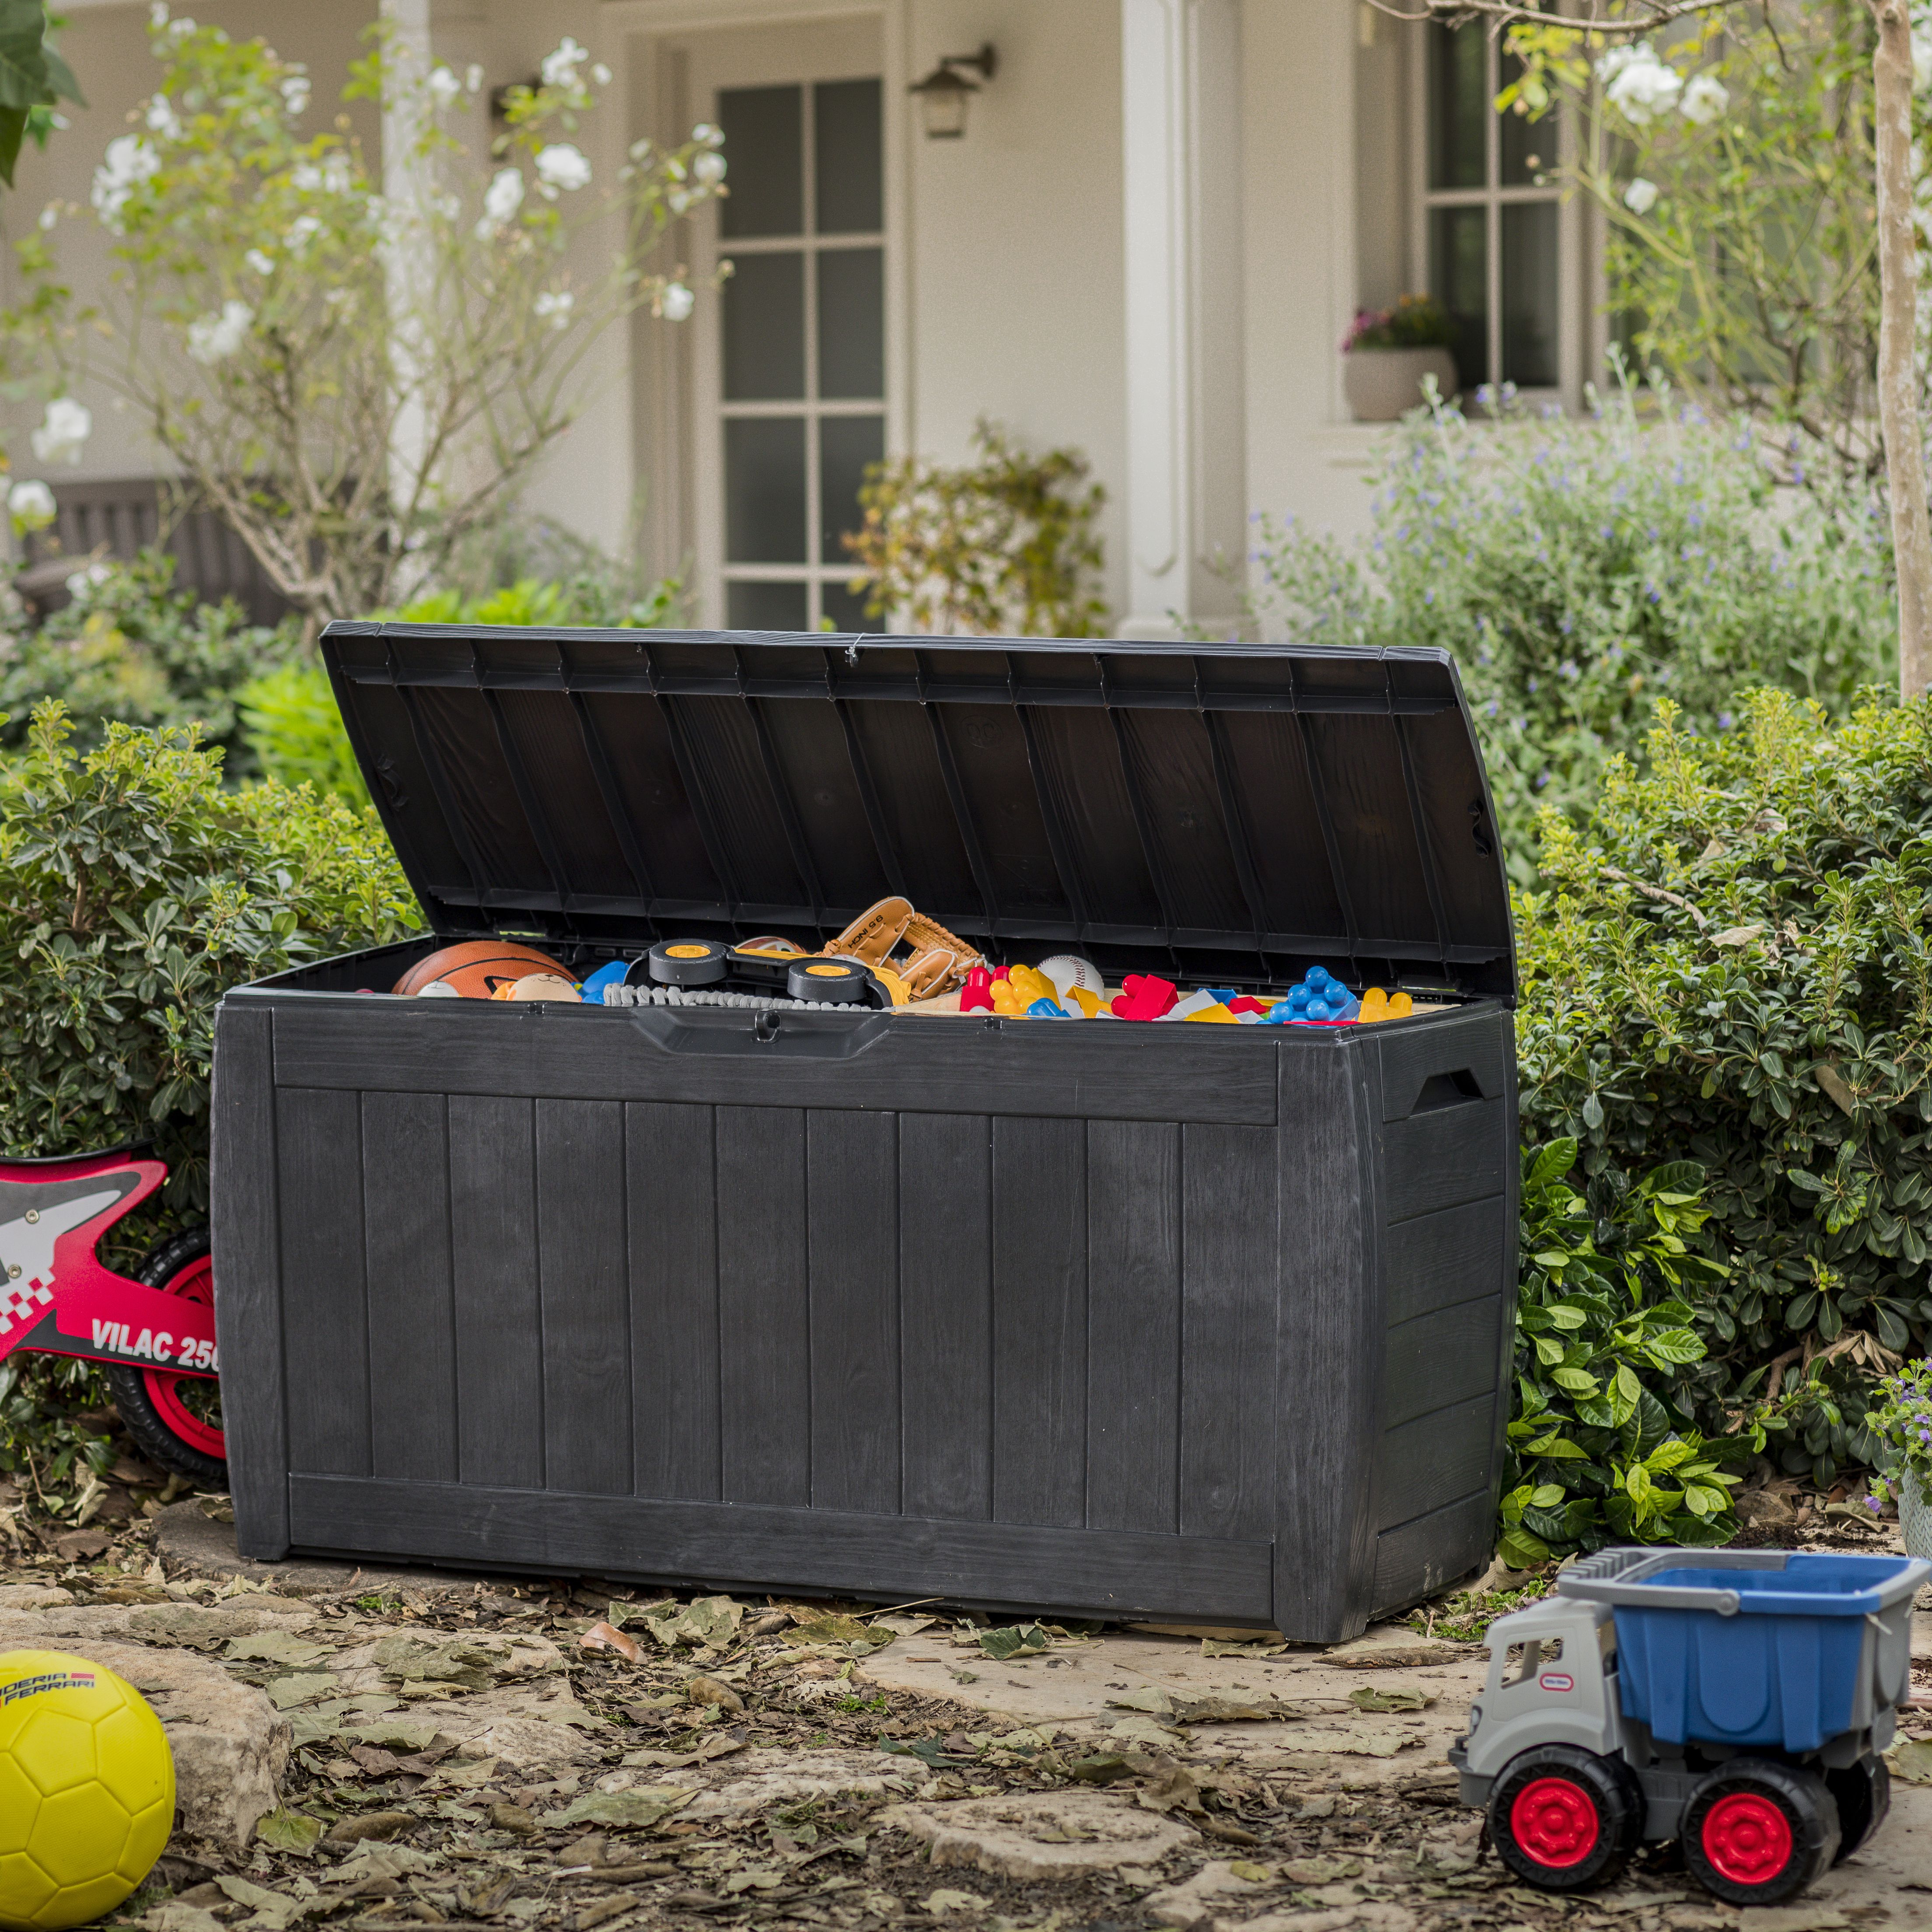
1903,1422
1387,352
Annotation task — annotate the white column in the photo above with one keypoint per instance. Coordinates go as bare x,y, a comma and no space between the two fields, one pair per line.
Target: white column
405,182
1185,491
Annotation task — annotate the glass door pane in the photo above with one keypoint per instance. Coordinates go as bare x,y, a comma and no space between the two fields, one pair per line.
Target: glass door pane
764,145
765,510
1458,273
1529,294
846,445
847,148
1459,109
764,329
851,323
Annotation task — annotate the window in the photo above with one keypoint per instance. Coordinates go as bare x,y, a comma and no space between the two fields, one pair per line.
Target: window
1494,233
802,381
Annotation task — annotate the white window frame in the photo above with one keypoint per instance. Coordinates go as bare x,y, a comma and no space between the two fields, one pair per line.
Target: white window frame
1580,335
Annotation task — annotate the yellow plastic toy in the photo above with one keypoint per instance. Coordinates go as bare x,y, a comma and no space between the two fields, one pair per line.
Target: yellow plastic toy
87,1790
1378,1005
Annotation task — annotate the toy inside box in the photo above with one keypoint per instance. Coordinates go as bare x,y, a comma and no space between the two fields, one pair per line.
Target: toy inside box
1024,1121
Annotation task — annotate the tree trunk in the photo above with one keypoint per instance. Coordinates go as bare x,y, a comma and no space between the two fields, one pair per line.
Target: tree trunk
1897,345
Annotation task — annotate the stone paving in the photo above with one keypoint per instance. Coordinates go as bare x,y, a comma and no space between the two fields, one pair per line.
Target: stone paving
365,1750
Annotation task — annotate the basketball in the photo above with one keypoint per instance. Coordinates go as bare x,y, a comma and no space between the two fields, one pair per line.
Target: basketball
477,967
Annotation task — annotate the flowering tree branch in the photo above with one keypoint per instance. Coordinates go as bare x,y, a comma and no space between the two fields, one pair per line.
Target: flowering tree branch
1640,75
354,381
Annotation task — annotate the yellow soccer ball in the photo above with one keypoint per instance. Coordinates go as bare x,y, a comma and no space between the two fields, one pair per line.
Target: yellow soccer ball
87,1790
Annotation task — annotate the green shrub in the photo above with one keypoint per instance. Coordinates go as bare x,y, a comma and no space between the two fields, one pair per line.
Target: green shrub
1007,543
1616,1302
134,891
131,648
294,729
1582,570
1731,968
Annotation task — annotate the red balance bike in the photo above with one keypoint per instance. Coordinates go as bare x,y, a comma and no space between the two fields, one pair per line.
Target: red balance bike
154,1332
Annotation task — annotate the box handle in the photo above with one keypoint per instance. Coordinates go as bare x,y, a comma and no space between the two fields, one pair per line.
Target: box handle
763,1034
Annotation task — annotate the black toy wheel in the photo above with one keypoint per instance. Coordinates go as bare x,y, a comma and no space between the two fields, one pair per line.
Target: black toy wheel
175,1420
1862,1792
1564,1820
1757,1833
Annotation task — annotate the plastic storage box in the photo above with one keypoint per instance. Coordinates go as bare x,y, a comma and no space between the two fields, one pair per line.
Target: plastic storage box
1204,1323
1756,1647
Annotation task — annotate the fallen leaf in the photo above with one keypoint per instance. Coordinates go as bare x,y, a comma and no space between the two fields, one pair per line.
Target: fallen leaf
1172,1787
831,1629
374,1759
602,1636
1145,1697
1102,1767
763,1878
702,1690
172,1915
514,1818
1391,1656
355,1829
1225,1710
303,1687
1371,1743
1252,1873
1391,1697
710,1621
461,1660
395,1737
1219,1828
77,1545
1736,935
1320,1871
273,1910
277,1647
1832,1084
624,1809
1147,1731
384,1861
902,1626
1215,1647
945,1899
1912,1760
285,1831
1013,1640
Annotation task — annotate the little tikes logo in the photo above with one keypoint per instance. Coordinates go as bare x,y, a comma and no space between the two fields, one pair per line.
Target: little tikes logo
50,1680
1556,1680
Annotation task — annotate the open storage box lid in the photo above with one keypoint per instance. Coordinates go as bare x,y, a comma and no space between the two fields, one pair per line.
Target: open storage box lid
1231,811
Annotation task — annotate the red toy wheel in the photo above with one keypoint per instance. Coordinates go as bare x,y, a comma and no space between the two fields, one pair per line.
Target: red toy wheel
175,1419
1556,1822
1757,1832
1563,1818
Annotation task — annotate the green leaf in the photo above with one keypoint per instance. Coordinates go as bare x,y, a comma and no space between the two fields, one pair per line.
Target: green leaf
1566,1315
283,1830
24,78
1673,1345
1013,1639
1553,1163
1556,1449
1547,1495
1578,1382
1521,1551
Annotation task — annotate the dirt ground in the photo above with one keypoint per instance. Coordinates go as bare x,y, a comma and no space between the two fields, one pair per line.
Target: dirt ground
441,1749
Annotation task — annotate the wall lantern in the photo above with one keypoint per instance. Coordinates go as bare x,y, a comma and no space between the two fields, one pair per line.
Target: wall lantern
944,92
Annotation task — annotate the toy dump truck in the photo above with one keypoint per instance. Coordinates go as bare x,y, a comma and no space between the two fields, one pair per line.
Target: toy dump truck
1735,1700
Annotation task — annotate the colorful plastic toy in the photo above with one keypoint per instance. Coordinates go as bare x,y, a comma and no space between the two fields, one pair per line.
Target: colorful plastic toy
1377,1005
977,995
1735,1700
1145,996
1047,1009
612,975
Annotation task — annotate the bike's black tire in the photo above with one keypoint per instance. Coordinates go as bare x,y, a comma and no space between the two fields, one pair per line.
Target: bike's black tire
152,1435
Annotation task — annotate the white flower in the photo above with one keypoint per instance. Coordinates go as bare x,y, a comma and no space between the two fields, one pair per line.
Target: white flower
213,338
337,300
553,306
130,161
640,150
162,118
1640,197
504,196
180,29
676,303
709,169
1640,85
82,581
559,68
49,215
260,261
473,75
157,14
711,136
332,177
443,86
62,437
601,74
32,504
1705,97
295,94
302,231
562,165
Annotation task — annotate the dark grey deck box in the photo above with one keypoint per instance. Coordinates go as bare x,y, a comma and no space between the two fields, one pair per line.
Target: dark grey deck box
1184,1322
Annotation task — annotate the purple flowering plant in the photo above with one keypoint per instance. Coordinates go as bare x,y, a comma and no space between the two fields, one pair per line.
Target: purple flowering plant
1901,1420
